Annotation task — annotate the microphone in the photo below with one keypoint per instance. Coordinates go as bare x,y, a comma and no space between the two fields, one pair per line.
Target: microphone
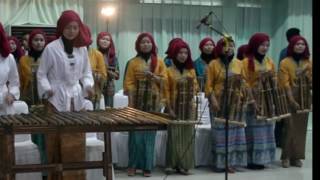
204,20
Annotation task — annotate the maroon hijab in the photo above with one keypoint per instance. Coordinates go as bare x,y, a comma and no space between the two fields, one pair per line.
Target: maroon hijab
255,41
153,50
175,50
67,17
4,44
293,41
111,50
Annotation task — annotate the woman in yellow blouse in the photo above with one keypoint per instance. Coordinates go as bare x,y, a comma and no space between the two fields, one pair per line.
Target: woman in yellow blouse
216,74
297,63
28,68
149,71
180,90
260,134
98,68
106,47
28,80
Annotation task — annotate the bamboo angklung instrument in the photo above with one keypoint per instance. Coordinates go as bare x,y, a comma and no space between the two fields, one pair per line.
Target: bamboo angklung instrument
236,105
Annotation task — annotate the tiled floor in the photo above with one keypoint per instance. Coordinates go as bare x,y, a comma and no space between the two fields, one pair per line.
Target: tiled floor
276,172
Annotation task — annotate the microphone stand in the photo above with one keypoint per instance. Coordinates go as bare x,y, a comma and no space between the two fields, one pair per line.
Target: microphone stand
226,109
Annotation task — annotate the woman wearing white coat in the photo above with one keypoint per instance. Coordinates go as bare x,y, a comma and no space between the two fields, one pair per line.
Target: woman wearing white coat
64,64
9,80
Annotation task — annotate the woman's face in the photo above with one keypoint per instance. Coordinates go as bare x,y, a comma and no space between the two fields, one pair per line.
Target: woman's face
145,45
229,49
105,42
263,48
38,42
25,40
299,47
71,31
13,46
208,47
182,55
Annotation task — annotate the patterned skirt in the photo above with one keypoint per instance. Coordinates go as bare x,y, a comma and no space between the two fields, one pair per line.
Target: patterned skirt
237,147
261,144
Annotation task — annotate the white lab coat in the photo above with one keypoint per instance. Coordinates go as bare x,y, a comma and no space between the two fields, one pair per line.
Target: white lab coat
9,73
63,75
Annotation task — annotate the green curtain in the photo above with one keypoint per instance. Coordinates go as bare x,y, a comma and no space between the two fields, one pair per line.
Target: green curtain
241,18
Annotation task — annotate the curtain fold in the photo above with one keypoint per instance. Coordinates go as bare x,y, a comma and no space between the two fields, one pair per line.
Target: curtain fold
167,19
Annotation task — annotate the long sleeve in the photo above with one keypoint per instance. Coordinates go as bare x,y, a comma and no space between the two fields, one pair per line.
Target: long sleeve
246,75
86,79
101,66
284,75
42,74
129,80
117,68
13,78
164,79
196,87
209,80
24,74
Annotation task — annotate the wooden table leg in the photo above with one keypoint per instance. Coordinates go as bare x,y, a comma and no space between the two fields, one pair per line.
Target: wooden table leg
2,157
107,156
8,156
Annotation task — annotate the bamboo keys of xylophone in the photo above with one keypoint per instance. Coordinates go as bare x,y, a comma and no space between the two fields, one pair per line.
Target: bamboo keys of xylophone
127,116
141,118
123,120
99,118
157,119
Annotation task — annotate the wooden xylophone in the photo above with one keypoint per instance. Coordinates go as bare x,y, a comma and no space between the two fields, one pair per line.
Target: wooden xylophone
106,121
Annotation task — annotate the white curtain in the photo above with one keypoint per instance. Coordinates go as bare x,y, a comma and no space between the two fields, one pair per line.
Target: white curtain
167,19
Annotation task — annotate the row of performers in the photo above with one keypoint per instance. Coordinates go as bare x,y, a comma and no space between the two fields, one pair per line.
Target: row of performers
64,78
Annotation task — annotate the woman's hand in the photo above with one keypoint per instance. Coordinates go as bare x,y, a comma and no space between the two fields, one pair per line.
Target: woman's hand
9,99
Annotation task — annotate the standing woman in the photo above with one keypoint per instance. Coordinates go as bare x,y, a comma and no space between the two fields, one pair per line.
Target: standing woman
99,73
15,48
29,66
260,134
9,80
216,75
206,47
297,63
181,88
149,71
28,75
63,66
106,47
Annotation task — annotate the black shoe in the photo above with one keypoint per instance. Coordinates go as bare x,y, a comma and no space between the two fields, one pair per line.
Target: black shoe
255,166
218,170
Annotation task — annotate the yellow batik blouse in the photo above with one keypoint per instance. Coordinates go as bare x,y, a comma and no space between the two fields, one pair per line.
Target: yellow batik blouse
216,75
251,78
135,69
288,68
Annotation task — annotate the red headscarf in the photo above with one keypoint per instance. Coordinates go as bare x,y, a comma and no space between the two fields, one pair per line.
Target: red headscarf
242,51
19,51
175,50
33,34
218,50
153,50
51,38
4,44
171,43
293,41
204,41
67,17
255,41
112,49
